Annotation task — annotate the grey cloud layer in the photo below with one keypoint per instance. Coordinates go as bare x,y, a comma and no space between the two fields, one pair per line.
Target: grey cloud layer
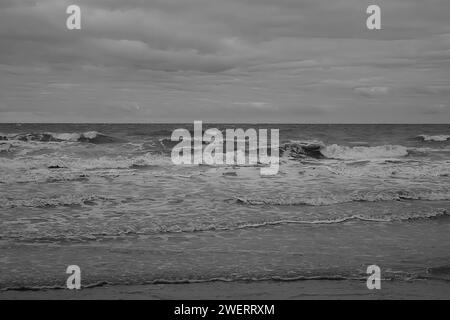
247,60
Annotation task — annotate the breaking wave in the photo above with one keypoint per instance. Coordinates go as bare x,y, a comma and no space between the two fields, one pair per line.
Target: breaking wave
357,153
435,138
90,136
302,149
318,150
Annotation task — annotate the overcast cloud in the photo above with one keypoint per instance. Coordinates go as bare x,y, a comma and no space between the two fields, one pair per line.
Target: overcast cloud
304,61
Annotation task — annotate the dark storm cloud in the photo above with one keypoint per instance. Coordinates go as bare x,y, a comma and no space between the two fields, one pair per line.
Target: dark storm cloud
180,59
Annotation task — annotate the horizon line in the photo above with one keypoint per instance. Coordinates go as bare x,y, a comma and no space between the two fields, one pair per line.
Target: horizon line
216,122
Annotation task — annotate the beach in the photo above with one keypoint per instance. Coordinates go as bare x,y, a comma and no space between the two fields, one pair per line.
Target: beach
305,290
108,199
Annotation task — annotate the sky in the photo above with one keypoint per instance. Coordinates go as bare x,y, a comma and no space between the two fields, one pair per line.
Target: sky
288,61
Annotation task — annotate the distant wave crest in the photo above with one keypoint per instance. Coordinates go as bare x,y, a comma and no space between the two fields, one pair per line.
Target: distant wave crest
89,136
435,138
318,150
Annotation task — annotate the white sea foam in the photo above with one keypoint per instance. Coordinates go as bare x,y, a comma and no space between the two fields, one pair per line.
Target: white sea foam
74,137
5,147
331,199
317,149
66,162
61,201
90,136
362,153
435,138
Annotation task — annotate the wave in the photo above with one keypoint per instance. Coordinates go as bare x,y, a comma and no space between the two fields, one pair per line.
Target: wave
325,275
90,136
131,232
359,153
354,197
5,147
161,281
105,162
435,138
62,201
68,231
303,149
431,215
54,287
145,161
318,150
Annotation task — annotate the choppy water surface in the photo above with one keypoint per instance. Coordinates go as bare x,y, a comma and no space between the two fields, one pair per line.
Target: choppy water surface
109,199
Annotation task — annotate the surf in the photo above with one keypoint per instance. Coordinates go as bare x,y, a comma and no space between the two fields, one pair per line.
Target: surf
89,136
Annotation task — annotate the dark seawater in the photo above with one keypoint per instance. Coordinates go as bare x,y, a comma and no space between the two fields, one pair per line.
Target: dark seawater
108,198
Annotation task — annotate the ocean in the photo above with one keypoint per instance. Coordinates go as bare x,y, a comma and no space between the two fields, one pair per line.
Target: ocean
108,198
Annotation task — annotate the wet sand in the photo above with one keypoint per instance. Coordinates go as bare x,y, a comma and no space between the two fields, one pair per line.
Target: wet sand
295,290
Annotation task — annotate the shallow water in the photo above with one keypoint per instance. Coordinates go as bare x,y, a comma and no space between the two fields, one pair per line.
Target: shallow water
109,199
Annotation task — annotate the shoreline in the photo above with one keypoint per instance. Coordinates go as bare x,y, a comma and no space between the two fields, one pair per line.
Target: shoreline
264,290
